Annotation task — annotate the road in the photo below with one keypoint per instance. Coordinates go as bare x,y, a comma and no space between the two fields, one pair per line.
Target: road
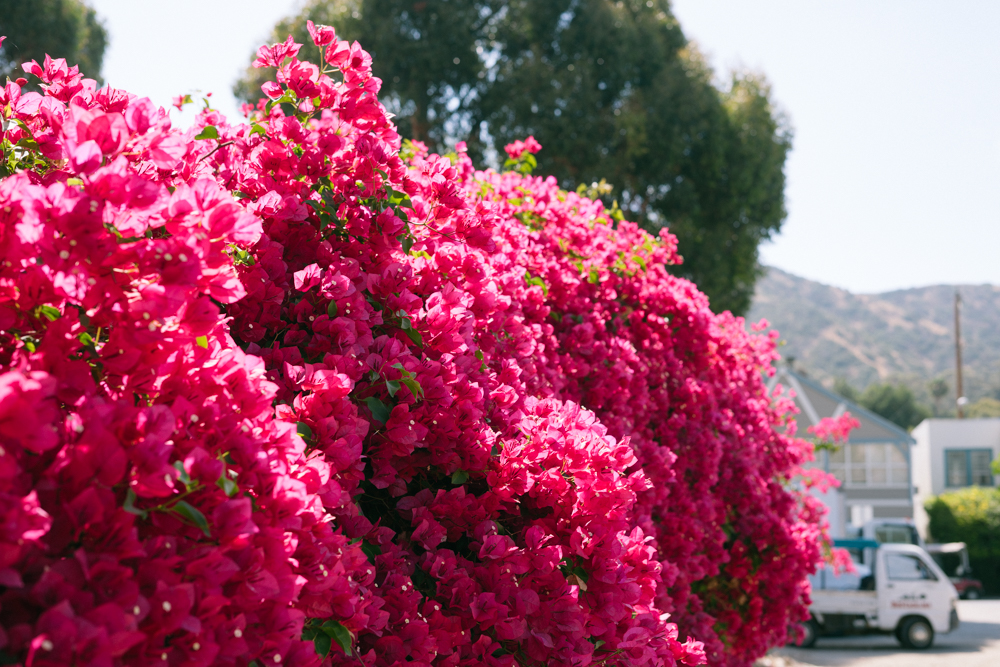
976,643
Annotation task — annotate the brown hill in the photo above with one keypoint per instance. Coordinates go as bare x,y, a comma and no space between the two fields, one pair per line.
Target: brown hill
901,336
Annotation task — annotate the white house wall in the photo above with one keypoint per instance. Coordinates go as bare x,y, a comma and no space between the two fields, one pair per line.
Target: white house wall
933,437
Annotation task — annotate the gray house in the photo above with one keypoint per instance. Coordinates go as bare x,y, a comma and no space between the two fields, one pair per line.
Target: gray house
874,466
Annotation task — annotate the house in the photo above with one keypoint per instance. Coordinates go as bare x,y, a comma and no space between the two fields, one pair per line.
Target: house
873,466
951,454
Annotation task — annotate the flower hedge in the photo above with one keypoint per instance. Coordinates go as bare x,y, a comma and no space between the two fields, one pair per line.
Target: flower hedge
283,393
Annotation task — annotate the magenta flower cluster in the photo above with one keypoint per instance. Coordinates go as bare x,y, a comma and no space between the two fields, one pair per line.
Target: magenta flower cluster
292,393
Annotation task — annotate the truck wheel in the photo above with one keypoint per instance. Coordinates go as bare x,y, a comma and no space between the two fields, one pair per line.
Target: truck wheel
973,594
915,632
810,633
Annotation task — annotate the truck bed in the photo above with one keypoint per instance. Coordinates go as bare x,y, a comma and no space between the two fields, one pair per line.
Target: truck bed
844,602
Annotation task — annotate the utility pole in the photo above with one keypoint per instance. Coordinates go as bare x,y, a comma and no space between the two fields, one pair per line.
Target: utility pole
961,400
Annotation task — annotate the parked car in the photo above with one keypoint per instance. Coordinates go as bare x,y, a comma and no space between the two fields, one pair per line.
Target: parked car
953,559
899,590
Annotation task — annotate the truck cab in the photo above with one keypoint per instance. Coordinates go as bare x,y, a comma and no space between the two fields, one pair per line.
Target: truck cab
900,590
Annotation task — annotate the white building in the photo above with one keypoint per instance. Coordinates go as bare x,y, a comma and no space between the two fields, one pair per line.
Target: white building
951,454
873,466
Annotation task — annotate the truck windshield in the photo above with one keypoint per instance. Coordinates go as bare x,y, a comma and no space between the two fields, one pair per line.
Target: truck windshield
901,567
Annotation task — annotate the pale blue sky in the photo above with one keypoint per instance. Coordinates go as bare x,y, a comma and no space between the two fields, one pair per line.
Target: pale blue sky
895,174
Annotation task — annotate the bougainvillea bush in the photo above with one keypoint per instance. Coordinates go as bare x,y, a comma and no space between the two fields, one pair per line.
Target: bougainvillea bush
292,392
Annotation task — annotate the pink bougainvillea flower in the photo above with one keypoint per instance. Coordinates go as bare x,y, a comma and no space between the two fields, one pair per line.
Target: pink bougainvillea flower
272,90
322,35
308,403
274,55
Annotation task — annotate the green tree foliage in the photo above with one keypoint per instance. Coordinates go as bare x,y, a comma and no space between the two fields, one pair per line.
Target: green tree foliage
67,29
972,516
612,89
425,52
846,389
895,402
984,407
938,388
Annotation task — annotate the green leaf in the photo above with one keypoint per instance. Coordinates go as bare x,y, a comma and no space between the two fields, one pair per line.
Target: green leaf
479,355
86,339
51,313
228,486
459,477
414,387
378,409
410,380
371,550
331,309
323,643
130,507
184,477
406,240
202,341
415,336
398,198
303,429
340,634
257,128
194,515
535,280
392,386
208,132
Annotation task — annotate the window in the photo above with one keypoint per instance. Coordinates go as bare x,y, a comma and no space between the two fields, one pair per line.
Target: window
874,464
907,568
896,534
968,467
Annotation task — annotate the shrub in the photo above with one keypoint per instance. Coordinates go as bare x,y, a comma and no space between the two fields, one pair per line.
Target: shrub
281,393
972,516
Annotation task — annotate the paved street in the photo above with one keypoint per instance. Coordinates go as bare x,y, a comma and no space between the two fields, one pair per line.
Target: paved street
975,644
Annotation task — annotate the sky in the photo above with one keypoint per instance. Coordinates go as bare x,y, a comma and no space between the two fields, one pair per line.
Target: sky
894,175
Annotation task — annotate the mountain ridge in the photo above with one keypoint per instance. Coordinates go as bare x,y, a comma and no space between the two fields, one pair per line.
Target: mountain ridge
904,336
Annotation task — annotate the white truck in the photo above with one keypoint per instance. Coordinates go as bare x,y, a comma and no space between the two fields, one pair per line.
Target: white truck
901,590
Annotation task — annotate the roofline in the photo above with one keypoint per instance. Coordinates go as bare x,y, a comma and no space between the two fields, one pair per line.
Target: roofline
855,410
956,419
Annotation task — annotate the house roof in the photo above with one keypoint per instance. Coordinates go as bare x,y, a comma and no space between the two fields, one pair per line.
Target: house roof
816,402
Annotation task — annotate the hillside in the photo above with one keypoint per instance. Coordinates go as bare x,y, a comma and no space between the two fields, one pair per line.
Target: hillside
904,335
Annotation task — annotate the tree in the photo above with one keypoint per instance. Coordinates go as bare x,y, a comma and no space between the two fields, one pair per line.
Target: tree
846,389
984,407
971,515
938,388
424,51
611,89
67,29
895,402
